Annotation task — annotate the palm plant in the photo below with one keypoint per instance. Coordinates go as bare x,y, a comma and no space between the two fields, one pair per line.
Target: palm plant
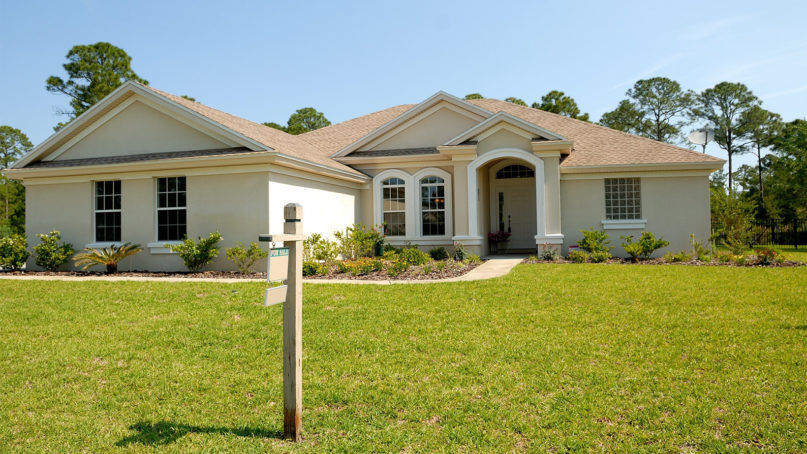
108,256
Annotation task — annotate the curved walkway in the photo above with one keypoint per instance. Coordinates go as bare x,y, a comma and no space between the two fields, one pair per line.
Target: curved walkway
494,266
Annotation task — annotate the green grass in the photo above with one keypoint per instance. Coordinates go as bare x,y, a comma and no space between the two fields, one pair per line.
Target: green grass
565,357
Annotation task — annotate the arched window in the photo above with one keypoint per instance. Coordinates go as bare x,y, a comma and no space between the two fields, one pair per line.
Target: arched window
433,206
394,206
515,171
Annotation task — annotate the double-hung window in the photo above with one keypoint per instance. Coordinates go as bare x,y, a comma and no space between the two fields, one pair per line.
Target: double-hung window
433,206
171,209
623,199
107,211
394,206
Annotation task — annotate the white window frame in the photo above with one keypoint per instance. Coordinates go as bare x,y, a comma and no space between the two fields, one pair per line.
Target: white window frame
384,211
631,223
96,243
448,206
158,247
378,191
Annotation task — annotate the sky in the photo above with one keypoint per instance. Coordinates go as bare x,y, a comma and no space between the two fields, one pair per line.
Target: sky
262,60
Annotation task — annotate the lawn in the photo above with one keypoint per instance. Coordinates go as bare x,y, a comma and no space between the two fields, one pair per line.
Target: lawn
550,357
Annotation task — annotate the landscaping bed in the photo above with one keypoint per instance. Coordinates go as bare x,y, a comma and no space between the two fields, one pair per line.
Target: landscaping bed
434,270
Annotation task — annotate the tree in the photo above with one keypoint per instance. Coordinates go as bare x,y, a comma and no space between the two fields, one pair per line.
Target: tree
663,103
514,100
558,102
302,121
189,98
763,127
723,107
627,118
473,96
788,170
13,144
94,71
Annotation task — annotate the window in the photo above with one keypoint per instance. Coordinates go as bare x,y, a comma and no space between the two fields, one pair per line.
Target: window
515,171
623,198
394,206
433,206
107,211
171,209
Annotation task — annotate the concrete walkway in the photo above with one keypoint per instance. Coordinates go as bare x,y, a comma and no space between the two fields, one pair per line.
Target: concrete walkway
494,266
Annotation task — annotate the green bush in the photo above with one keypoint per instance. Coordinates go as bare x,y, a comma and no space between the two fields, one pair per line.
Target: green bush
740,260
413,256
600,256
549,252
682,256
472,259
459,251
427,269
195,255
578,256
439,253
50,253
594,240
244,258
440,266
343,267
358,241
699,251
390,254
315,247
644,247
312,268
768,256
13,252
397,268
723,257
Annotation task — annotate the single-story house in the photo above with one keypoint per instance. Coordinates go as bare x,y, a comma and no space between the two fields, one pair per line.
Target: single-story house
149,167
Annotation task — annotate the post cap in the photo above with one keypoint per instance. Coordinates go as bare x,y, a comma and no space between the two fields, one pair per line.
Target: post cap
293,212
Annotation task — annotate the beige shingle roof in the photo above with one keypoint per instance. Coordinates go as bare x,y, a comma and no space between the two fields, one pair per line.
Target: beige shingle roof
335,137
273,138
596,145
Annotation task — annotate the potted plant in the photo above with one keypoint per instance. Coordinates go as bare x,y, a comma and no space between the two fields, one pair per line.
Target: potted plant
498,241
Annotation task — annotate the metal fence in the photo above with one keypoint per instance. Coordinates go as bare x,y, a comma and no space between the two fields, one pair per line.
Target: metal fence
772,232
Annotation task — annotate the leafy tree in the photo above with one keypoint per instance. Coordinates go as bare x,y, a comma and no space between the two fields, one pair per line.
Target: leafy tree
189,98
763,127
788,170
626,117
94,71
724,107
558,102
13,144
664,104
515,100
473,96
302,121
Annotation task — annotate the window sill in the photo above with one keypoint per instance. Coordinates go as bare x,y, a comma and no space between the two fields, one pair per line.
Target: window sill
103,244
160,248
623,224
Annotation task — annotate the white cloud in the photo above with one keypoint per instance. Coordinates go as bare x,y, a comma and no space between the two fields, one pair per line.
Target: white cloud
790,91
652,70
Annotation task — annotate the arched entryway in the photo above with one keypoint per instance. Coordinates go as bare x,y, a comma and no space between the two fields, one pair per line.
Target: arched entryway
512,203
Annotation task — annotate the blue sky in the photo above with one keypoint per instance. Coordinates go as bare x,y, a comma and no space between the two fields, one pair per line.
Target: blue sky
263,60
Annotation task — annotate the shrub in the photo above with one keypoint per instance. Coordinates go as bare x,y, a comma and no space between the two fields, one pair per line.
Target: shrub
358,241
549,252
108,256
367,266
413,256
459,251
315,247
739,260
342,267
723,257
312,268
682,256
441,265
767,256
473,259
244,258
390,255
645,247
50,253
600,256
699,251
594,240
397,268
13,252
439,253
734,228
578,256
195,255
427,269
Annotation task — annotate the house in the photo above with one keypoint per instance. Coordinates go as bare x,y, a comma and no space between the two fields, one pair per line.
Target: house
148,167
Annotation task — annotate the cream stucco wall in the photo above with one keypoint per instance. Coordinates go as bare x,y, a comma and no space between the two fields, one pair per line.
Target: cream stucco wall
674,207
139,129
436,128
503,139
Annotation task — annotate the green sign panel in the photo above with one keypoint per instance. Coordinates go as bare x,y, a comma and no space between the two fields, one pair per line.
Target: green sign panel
279,252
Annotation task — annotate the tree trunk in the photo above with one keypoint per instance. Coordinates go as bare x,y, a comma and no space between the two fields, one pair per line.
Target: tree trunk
759,169
111,268
731,188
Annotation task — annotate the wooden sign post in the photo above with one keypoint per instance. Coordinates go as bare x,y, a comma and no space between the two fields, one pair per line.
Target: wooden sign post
292,237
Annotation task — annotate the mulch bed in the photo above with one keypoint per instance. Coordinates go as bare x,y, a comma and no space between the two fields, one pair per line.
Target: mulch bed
661,261
413,273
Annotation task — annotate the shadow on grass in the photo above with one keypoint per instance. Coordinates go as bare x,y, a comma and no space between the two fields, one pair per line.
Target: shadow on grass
165,432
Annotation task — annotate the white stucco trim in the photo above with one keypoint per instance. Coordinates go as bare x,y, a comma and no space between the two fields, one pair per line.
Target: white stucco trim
467,240
499,121
611,224
160,247
473,186
103,244
550,238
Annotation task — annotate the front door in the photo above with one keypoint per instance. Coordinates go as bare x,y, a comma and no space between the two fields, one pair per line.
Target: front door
512,206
